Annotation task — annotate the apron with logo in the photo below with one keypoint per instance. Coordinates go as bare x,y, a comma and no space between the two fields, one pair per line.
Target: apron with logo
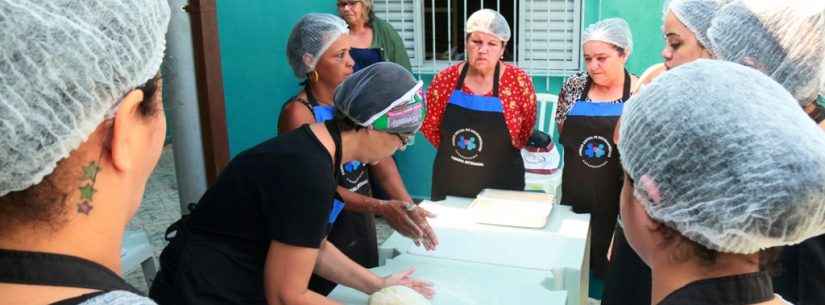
476,151
592,172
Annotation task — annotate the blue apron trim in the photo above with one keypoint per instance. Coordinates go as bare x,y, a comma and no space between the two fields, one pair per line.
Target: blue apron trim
337,206
476,103
589,109
323,113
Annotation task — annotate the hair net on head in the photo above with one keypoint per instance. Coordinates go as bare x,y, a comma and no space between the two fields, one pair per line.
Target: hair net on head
614,31
696,15
383,95
784,39
738,170
310,38
65,65
490,22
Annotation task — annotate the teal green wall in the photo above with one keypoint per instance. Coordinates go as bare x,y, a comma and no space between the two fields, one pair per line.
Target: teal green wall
257,78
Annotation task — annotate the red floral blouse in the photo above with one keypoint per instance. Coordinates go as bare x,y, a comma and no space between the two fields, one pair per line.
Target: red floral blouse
515,90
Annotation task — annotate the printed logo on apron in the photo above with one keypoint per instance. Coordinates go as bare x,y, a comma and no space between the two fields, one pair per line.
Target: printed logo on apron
595,151
354,174
467,144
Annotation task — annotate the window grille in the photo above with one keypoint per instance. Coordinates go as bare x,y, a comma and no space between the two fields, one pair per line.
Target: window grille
545,42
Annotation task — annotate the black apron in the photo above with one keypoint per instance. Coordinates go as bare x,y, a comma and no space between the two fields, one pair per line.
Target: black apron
802,277
742,289
48,269
353,233
592,172
476,151
628,278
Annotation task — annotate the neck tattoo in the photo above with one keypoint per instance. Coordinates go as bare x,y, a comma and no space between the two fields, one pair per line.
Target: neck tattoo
87,191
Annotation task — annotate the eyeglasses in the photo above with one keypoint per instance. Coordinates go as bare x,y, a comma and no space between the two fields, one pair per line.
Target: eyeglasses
347,3
406,140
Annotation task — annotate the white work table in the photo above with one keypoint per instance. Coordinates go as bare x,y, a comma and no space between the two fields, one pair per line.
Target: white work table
486,264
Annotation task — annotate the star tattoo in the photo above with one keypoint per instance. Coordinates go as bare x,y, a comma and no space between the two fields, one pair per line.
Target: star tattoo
86,192
90,171
84,207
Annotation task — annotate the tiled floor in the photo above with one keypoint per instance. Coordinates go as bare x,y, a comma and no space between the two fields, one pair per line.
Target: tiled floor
161,207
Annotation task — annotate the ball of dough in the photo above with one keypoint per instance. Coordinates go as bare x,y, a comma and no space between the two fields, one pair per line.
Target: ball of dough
397,295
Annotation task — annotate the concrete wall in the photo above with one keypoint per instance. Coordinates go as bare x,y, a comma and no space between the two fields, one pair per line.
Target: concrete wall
258,80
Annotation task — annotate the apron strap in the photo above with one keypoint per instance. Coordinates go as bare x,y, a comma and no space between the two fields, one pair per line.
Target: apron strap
310,97
336,139
460,83
49,269
625,89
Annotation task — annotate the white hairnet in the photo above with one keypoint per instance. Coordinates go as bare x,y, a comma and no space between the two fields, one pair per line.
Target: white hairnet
696,15
721,153
310,38
63,67
614,31
490,22
784,39
384,95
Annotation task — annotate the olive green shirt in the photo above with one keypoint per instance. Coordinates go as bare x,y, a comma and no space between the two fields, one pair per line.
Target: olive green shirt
387,40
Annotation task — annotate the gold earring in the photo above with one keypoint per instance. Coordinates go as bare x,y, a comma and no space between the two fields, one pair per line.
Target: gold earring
316,76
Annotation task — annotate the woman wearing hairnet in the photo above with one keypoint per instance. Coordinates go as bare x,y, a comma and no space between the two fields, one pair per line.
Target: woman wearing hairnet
783,39
82,128
481,113
259,232
373,39
685,25
323,38
712,189
589,106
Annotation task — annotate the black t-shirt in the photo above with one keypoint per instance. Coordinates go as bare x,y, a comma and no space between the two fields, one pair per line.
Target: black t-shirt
281,190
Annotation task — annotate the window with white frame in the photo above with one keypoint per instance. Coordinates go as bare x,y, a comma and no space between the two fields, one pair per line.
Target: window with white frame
545,38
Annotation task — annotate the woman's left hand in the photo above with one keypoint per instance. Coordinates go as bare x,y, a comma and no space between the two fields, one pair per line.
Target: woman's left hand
404,278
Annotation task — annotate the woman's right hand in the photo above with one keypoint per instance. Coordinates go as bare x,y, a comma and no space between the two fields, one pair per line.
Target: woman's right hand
398,218
411,223
404,278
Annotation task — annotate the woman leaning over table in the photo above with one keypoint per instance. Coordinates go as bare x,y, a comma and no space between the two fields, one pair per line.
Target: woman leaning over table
325,39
